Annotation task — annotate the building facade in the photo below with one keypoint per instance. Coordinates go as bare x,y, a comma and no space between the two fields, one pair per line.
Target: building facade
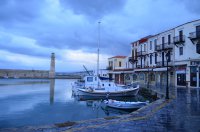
187,54
179,45
120,69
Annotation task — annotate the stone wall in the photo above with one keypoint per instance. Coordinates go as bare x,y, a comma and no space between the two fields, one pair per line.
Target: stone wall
9,73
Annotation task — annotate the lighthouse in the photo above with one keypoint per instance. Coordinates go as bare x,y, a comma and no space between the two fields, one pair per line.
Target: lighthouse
52,66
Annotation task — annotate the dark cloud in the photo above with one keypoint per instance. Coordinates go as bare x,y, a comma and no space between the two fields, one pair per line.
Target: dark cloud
94,8
13,11
192,5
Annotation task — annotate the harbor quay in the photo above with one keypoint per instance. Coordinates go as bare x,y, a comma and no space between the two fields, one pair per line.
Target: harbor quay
178,114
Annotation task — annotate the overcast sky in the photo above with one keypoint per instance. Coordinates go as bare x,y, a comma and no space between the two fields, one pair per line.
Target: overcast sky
30,30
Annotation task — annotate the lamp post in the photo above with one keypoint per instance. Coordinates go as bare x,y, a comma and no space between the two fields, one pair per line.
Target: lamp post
167,87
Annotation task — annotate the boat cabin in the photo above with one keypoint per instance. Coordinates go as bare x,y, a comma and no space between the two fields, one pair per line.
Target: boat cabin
94,81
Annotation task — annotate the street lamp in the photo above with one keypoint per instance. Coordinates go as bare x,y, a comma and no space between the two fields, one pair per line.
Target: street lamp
167,88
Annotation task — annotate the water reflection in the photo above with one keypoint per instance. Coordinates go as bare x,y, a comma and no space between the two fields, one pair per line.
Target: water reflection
21,100
97,104
52,86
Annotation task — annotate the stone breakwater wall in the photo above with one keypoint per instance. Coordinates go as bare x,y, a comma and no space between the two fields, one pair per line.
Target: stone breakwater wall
10,73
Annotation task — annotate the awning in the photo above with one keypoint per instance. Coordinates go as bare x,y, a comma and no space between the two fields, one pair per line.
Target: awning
160,69
137,70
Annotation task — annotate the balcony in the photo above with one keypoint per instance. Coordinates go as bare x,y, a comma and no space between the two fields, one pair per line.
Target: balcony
141,53
194,35
160,64
179,39
132,60
109,68
158,48
139,66
165,46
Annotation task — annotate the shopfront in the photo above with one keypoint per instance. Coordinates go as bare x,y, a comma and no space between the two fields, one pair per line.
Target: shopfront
193,76
195,73
181,77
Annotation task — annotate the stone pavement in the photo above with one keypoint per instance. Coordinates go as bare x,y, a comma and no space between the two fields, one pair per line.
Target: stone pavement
181,114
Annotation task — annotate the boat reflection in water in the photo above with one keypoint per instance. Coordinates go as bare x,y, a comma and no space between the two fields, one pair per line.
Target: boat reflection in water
98,104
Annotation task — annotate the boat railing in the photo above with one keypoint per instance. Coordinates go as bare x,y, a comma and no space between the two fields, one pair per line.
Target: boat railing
133,84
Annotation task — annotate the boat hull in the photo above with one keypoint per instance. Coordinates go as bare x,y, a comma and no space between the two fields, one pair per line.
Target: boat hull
124,105
130,92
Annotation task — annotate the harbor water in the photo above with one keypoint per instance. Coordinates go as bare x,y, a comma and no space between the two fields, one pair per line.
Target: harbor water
33,102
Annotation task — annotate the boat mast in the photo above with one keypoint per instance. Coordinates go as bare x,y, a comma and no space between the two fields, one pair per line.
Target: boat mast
98,52
98,48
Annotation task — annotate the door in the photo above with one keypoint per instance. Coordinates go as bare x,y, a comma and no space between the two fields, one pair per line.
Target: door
163,58
199,76
193,76
181,79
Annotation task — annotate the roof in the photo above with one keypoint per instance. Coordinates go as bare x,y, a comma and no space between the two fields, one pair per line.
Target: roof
118,56
144,39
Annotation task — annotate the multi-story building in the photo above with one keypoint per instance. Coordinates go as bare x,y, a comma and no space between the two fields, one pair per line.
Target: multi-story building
187,54
120,69
180,45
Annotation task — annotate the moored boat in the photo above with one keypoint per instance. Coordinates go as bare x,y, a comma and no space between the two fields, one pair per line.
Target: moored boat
94,86
124,105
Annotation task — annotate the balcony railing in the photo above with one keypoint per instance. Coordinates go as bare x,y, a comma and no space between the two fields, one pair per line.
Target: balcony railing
141,53
132,59
167,46
109,68
194,35
139,66
158,47
164,46
179,39
159,64
163,64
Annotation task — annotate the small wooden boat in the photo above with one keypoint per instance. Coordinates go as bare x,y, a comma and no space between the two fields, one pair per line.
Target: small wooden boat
124,105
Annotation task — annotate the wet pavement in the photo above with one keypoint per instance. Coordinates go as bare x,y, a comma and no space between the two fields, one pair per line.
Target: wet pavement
178,114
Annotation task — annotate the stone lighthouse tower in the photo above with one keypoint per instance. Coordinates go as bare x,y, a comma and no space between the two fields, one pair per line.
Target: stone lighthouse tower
52,66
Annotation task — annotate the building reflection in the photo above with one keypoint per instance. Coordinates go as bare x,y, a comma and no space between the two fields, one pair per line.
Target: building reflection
52,86
198,100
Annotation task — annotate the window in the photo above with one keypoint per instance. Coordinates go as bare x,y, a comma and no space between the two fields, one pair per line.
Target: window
150,59
155,58
120,63
197,31
169,39
198,48
155,43
163,40
90,79
141,76
181,35
180,50
150,45
152,77
134,77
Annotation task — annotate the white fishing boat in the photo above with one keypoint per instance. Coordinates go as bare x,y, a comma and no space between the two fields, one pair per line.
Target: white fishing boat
95,86
124,105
